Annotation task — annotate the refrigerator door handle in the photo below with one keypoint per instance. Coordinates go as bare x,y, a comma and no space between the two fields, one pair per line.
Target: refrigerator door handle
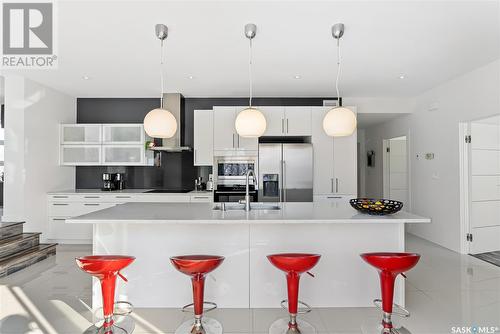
331,184
284,180
282,126
287,125
336,185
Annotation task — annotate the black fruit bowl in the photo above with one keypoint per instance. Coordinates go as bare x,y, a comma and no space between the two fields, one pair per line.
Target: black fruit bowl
377,207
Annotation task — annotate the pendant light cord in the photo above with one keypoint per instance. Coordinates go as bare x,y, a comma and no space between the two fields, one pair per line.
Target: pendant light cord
338,72
250,72
161,73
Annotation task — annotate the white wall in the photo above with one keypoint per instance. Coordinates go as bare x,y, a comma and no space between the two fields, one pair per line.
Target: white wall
433,128
32,116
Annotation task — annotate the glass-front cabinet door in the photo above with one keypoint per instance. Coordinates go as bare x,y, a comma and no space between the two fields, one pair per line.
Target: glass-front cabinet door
123,134
123,155
80,155
81,134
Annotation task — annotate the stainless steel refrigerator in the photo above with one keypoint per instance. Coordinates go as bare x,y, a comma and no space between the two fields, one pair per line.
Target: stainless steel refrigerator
285,173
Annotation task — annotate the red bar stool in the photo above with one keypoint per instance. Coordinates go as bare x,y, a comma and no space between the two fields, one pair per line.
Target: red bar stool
198,266
389,266
293,264
106,268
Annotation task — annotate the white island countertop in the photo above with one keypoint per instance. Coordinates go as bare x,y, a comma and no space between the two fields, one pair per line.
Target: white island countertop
203,213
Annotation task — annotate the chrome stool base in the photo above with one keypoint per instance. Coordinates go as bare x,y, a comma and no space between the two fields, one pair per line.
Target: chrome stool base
377,328
121,325
281,326
207,326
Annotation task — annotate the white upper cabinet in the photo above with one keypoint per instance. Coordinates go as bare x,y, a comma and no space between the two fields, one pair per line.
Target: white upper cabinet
335,159
297,121
123,133
287,121
103,144
80,134
123,155
203,137
225,136
80,155
323,154
224,131
274,120
345,164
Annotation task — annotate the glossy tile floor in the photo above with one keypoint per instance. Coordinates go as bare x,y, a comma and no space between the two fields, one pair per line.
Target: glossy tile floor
445,290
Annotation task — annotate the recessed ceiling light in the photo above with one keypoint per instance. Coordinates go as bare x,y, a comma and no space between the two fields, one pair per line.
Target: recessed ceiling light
190,77
402,76
297,76
85,77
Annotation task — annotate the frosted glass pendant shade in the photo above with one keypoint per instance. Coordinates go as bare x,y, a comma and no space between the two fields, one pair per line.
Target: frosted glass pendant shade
160,123
339,122
250,123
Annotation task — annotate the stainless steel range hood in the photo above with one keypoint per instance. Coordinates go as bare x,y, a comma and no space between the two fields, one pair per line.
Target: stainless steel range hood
174,102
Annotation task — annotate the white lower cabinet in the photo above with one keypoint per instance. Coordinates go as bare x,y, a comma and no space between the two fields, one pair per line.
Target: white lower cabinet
62,206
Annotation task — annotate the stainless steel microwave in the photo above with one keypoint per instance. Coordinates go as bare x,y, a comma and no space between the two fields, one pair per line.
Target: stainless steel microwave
232,171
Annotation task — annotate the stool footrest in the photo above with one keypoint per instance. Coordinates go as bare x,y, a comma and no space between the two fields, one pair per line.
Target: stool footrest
212,307
305,309
397,309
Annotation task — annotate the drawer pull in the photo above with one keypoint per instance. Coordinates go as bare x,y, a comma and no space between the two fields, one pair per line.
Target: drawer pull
334,197
122,196
59,219
60,204
92,196
91,204
59,196
201,197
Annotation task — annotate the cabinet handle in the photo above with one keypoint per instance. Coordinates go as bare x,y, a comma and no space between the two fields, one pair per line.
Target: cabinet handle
201,197
92,196
287,125
332,197
59,196
233,140
91,204
331,185
282,125
60,204
59,219
122,196
336,185
238,137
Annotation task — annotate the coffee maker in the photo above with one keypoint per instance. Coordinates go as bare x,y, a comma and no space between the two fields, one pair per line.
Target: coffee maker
107,182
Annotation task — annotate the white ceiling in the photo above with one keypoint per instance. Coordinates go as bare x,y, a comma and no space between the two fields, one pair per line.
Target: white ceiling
114,44
366,120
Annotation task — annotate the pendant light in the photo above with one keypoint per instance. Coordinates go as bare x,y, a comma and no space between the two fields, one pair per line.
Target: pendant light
339,121
250,122
159,122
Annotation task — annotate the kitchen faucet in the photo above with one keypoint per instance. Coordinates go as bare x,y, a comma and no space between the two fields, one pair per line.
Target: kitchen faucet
246,201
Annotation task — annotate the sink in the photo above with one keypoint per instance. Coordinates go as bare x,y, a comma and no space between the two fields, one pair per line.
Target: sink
253,206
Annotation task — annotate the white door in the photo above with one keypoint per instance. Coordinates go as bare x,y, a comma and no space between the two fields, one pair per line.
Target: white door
344,165
275,120
297,121
484,181
224,131
203,137
398,170
323,180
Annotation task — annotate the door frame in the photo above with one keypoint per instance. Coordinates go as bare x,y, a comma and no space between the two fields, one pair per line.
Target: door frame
464,172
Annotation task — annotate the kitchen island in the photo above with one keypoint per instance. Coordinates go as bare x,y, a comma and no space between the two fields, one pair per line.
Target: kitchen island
153,232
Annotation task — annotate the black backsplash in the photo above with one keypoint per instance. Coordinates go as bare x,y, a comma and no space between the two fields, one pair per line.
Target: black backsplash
177,170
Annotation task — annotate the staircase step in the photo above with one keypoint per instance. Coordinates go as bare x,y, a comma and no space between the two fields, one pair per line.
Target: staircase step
18,243
26,258
8,230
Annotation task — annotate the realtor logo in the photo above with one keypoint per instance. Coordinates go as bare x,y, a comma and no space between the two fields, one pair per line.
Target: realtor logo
28,35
